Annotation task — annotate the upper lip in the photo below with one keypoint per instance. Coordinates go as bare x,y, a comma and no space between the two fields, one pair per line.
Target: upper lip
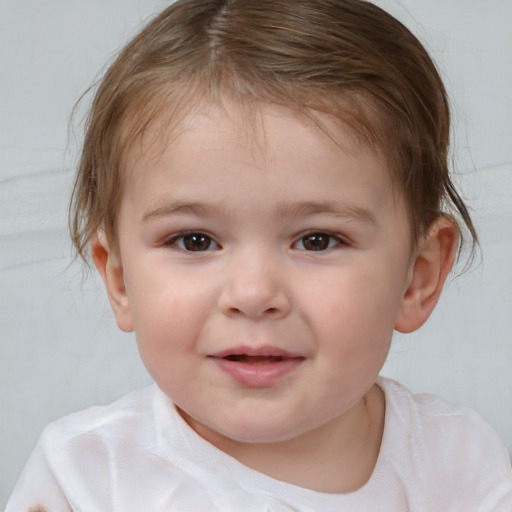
261,351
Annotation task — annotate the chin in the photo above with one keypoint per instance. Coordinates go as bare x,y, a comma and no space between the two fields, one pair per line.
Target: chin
247,432
254,432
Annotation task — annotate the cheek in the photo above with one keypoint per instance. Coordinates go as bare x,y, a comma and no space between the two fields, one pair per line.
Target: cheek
365,296
168,311
354,310
167,328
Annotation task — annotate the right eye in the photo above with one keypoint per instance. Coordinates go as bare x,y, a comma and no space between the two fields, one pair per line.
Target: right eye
194,242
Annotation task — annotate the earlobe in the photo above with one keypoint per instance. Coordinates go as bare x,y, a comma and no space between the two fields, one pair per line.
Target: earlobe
108,264
428,274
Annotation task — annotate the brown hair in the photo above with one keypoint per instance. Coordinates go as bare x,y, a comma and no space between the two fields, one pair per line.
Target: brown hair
346,58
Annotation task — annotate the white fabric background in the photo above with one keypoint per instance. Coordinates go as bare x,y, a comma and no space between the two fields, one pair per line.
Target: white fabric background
60,350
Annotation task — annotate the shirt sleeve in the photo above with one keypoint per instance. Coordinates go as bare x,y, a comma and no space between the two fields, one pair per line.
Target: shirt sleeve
471,468
495,477
37,489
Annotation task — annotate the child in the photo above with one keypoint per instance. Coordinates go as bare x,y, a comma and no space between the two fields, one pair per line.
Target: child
264,190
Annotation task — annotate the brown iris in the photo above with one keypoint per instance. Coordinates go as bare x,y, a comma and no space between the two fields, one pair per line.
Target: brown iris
196,242
316,241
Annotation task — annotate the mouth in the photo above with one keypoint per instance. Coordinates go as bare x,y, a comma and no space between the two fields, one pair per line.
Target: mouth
257,367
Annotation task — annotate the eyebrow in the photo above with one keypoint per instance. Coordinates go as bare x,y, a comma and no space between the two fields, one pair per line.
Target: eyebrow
183,208
337,209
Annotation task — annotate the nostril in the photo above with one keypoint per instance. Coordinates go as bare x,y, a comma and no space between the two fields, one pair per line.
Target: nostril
239,302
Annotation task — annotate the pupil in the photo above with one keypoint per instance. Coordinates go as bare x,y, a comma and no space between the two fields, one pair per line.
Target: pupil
196,242
316,242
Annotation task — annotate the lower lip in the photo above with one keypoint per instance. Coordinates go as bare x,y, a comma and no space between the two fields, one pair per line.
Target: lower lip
260,375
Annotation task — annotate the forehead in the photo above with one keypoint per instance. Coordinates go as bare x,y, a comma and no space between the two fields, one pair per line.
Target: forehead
261,128
222,150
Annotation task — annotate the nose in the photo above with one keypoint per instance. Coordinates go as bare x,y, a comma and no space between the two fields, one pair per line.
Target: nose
255,288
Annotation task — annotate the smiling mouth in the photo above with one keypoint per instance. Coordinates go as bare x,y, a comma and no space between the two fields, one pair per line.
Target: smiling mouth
257,367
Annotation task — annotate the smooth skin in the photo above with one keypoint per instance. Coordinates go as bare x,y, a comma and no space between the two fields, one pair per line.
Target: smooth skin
271,236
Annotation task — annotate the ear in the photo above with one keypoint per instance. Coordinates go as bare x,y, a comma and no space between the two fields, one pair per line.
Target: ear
433,261
108,263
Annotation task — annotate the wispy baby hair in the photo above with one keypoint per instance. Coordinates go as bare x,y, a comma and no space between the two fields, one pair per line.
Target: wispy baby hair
345,58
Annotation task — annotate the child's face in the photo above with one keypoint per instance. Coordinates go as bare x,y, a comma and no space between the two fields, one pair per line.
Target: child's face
263,275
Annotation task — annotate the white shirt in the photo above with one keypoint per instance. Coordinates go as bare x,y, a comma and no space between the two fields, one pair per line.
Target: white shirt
139,455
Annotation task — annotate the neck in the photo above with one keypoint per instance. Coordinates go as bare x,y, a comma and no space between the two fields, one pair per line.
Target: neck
337,457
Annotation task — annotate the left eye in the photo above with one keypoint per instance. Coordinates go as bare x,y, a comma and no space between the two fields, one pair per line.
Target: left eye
317,242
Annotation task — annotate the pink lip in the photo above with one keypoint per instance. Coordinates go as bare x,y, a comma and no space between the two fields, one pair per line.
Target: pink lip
257,367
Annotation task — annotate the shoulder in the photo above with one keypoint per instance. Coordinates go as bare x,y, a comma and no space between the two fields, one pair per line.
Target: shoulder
90,442
449,447
438,423
80,456
131,412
